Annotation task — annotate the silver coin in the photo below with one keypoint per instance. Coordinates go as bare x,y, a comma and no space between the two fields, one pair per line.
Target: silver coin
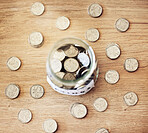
84,59
112,76
24,116
50,126
131,64
102,130
95,10
62,23
37,91
56,65
131,98
14,63
122,24
12,91
37,8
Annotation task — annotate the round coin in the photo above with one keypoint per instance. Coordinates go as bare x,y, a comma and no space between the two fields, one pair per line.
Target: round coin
12,91
92,35
71,65
122,24
72,51
100,104
35,39
60,74
113,51
102,130
59,54
36,91
112,76
84,59
78,110
62,23
95,10
131,64
50,126
14,63
56,65
69,76
25,115
37,8
130,98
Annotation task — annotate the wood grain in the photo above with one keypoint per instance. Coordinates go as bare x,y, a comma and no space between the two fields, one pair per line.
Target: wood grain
17,22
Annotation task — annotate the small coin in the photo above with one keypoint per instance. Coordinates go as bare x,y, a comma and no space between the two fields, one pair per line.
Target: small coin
130,98
131,64
12,91
85,71
113,51
122,24
37,8
59,54
72,51
102,130
14,63
69,76
60,74
50,126
71,65
84,59
56,65
100,104
37,91
95,10
112,76
62,23
92,35
78,110
36,39
25,115
79,71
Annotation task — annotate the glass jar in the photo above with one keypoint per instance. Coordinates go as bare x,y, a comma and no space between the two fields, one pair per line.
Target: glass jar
81,85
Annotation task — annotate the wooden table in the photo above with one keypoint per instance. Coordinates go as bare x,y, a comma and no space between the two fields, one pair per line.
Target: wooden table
17,22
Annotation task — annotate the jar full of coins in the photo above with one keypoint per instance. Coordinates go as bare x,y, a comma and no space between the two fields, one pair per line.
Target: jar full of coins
72,67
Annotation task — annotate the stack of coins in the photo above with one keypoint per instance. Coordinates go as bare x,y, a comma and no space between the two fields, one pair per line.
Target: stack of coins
70,62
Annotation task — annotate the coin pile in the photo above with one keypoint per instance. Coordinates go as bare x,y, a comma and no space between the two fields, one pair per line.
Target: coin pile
70,62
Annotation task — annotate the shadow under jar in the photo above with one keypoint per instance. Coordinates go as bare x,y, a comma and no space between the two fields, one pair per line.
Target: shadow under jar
72,67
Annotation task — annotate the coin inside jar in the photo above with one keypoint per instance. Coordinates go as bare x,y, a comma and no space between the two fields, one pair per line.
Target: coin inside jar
56,65
71,65
59,54
69,76
84,59
72,51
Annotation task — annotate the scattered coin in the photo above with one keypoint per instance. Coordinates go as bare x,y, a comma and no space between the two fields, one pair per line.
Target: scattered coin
102,130
100,104
78,110
12,91
36,91
71,51
56,65
95,10
122,24
112,76
37,8
60,74
59,54
25,115
131,64
62,23
92,35
113,51
69,76
36,39
84,59
50,126
14,63
71,65
130,98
